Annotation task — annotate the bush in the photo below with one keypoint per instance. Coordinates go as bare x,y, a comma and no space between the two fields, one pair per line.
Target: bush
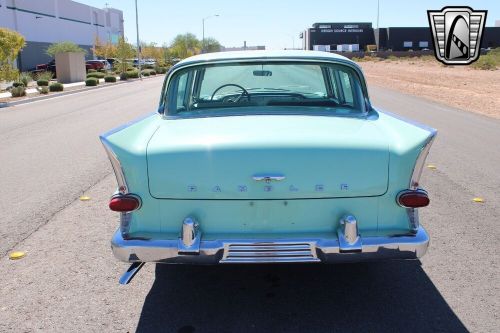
64,47
42,83
18,84
96,75
146,73
56,86
123,76
25,78
43,75
161,70
43,90
91,70
488,61
132,74
110,79
18,91
92,82
102,70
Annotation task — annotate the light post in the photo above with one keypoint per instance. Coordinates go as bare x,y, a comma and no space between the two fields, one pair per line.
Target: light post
138,43
378,27
203,36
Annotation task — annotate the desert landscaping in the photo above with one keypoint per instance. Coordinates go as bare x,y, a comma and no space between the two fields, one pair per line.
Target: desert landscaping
463,87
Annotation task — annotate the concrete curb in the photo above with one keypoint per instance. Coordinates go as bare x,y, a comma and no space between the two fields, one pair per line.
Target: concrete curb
64,93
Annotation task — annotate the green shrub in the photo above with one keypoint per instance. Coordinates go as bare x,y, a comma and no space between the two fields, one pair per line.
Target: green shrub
43,75
64,47
161,70
91,70
146,73
101,70
18,91
96,75
153,72
18,84
110,79
43,90
132,74
92,82
56,86
489,61
42,83
25,78
123,76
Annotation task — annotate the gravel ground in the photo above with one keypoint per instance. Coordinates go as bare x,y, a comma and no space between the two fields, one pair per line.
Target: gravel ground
457,86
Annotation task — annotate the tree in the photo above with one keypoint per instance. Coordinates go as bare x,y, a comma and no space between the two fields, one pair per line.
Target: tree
104,51
211,45
124,51
184,46
11,44
64,47
151,51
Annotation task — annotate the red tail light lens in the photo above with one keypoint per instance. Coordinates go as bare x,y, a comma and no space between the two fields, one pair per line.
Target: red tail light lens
413,199
124,203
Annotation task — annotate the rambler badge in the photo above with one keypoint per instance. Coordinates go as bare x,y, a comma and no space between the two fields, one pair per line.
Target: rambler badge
457,33
268,178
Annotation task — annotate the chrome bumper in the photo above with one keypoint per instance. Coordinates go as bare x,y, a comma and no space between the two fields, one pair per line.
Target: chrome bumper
297,250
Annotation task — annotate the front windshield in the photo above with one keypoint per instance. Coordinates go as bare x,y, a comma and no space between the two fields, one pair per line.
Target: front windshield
264,86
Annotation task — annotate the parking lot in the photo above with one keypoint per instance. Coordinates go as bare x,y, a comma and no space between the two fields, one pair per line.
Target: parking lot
68,280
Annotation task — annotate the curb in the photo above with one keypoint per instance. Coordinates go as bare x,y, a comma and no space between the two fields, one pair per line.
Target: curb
64,93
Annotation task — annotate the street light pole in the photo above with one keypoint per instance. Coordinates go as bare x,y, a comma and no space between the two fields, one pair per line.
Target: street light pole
378,27
138,43
203,34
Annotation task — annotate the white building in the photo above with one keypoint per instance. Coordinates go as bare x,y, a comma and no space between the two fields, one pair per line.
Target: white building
43,22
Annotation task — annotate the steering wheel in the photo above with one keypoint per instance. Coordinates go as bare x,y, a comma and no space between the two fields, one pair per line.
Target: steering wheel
244,92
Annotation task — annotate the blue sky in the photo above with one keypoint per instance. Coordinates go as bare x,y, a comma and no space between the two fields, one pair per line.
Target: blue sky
273,23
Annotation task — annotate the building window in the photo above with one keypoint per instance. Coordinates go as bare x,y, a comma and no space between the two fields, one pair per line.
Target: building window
423,44
407,44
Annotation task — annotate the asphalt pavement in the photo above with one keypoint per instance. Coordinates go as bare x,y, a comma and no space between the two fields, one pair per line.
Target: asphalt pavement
50,155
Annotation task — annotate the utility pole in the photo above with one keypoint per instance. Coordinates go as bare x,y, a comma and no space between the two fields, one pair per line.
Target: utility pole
378,27
203,33
138,42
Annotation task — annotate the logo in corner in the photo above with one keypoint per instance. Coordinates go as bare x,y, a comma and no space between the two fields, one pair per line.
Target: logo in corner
457,33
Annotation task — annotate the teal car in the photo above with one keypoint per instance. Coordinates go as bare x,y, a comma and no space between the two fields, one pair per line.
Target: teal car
267,157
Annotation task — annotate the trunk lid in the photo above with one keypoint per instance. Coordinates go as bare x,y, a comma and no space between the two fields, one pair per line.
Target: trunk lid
219,157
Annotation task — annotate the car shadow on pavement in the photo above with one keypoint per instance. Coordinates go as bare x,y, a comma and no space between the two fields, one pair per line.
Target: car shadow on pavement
365,297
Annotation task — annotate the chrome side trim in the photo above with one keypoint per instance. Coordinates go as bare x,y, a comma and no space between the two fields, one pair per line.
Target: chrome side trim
419,163
325,249
117,166
268,177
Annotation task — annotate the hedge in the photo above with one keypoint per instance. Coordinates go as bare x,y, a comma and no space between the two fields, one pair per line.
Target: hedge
110,79
42,83
56,87
92,82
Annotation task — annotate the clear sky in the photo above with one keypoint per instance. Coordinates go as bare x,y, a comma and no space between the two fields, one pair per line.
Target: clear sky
273,23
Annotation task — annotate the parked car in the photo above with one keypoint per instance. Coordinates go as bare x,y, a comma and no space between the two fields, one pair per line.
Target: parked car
97,64
144,62
50,66
267,157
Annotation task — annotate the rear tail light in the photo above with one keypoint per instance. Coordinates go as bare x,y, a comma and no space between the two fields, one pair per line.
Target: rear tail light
413,198
125,203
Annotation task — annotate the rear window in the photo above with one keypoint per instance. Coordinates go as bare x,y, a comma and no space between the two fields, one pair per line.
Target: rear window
261,86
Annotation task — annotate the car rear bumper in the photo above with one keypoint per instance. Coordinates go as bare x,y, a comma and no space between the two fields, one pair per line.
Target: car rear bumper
286,250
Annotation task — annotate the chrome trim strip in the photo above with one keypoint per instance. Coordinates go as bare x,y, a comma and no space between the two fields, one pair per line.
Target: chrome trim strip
266,177
117,166
268,252
419,163
326,249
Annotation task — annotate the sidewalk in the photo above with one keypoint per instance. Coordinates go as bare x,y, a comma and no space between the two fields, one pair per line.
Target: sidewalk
69,88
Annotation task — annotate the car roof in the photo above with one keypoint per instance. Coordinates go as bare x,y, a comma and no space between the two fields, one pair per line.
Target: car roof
244,55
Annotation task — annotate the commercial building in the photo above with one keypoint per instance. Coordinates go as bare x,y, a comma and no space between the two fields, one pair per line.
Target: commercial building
43,22
341,37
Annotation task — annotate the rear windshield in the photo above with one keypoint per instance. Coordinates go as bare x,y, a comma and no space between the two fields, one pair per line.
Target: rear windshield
256,87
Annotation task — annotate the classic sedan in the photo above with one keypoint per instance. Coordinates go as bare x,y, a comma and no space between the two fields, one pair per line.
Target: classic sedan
267,157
